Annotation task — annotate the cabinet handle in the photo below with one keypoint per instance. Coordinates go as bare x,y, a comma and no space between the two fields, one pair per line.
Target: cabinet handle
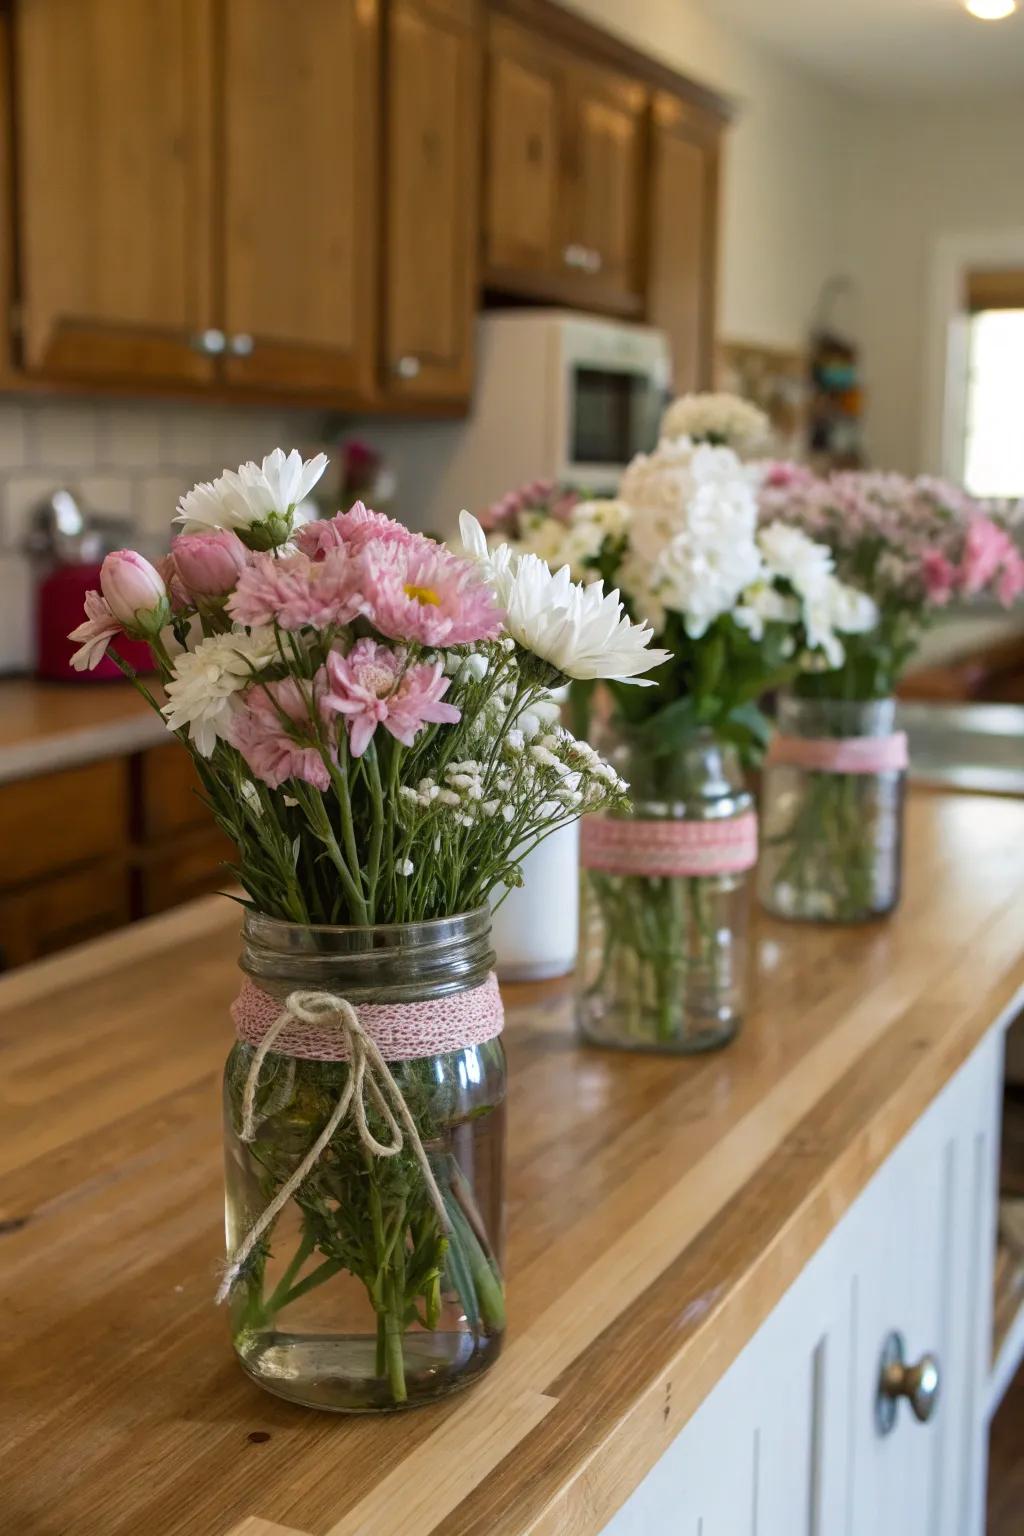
241,344
575,256
593,262
210,342
918,1383
407,367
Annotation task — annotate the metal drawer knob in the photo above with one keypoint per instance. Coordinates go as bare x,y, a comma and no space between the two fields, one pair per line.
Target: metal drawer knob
210,342
407,367
575,256
918,1383
241,344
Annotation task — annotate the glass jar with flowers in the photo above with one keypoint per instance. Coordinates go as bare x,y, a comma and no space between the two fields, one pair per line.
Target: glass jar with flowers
666,881
350,693
833,793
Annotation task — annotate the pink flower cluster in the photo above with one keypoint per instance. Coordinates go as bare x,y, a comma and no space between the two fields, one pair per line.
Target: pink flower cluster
913,543
288,729
364,565
542,498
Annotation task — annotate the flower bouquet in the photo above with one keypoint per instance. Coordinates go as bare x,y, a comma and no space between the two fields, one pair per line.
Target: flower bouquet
741,610
351,694
834,786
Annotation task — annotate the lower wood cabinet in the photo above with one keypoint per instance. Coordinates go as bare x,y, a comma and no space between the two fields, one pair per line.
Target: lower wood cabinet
88,848
791,1441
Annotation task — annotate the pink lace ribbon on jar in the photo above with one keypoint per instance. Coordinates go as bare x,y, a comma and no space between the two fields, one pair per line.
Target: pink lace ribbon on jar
401,1031
622,845
840,754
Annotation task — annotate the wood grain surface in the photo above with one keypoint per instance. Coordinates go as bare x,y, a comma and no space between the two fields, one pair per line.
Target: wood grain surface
44,726
658,1210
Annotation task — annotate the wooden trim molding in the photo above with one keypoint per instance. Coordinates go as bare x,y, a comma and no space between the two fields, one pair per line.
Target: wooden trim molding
582,37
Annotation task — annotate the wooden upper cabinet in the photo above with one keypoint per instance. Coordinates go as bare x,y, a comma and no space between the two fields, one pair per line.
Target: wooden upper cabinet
112,127
432,219
682,250
299,196
565,184
525,126
603,209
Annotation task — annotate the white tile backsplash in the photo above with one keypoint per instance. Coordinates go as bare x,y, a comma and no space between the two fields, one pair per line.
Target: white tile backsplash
13,438
131,459
62,436
16,613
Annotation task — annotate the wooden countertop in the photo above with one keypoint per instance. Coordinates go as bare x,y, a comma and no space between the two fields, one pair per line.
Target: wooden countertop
658,1210
45,726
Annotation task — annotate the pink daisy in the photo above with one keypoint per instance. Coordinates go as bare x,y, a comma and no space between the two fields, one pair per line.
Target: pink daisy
370,688
354,529
296,591
421,592
274,730
94,634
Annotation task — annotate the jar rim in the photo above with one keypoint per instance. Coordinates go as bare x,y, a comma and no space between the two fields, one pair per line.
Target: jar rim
426,925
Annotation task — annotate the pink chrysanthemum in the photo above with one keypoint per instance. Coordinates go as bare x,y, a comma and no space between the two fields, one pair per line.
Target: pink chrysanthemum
370,688
986,547
296,591
94,634
1010,582
939,576
420,592
353,529
274,729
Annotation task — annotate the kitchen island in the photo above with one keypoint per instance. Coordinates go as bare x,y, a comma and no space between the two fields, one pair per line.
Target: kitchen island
659,1211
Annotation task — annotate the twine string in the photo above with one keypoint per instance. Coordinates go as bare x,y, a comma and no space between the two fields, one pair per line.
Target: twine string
368,1076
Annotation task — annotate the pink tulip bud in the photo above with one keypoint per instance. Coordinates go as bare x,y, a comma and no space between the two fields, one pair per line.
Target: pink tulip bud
209,564
134,592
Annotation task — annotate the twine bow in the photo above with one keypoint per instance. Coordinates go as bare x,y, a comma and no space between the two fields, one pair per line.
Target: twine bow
369,1076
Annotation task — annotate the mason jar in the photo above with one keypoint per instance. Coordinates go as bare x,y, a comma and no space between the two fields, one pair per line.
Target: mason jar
665,897
832,811
369,1289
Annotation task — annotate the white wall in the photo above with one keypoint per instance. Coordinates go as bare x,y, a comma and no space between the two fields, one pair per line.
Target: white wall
921,178
784,160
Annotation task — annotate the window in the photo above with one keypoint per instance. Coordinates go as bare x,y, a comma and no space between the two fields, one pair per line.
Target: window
994,425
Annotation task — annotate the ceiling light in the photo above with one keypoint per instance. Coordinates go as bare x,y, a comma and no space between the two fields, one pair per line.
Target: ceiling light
990,10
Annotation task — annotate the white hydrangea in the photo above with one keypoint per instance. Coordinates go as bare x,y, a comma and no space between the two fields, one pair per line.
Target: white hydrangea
720,418
202,690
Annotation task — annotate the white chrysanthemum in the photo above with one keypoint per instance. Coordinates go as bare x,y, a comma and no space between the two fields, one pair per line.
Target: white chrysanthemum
854,612
202,689
701,573
789,553
763,604
579,630
722,418
680,483
252,495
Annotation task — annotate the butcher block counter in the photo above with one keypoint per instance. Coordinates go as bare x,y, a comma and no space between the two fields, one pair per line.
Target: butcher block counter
659,1210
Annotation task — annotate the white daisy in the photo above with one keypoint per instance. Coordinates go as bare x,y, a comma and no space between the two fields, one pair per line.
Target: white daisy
579,630
257,501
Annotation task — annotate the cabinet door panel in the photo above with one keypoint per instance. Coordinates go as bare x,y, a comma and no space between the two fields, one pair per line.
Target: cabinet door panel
682,242
433,125
114,199
786,1443
605,189
299,199
524,127
924,1240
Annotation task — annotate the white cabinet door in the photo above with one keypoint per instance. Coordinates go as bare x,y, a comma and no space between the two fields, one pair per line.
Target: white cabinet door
920,1242
787,1443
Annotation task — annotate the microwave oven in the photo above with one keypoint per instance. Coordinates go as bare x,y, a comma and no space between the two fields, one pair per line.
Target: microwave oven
559,396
